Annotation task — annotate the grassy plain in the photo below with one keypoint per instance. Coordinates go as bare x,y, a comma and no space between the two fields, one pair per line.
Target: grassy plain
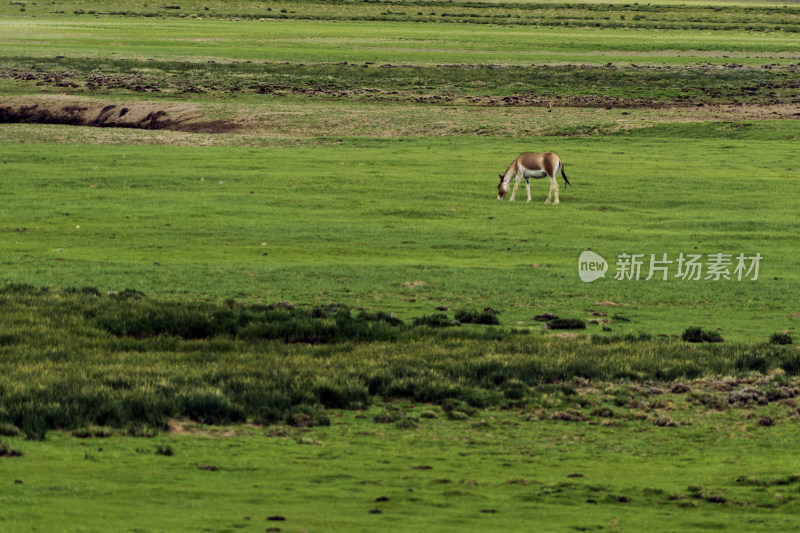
396,225
347,152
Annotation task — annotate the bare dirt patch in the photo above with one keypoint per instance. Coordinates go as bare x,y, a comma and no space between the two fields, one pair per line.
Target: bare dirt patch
187,427
139,115
566,335
607,304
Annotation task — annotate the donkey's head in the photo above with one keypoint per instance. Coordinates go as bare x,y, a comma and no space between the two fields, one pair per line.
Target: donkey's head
502,189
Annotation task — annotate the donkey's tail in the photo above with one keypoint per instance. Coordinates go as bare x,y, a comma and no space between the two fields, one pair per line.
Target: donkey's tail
566,181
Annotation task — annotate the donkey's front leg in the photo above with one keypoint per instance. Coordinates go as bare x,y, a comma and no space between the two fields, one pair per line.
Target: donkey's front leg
514,191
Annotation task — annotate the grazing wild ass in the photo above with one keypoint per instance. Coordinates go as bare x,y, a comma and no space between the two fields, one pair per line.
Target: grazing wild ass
535,166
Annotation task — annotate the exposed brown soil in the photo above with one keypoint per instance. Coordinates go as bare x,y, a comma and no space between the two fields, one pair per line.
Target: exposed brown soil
141,116
187,427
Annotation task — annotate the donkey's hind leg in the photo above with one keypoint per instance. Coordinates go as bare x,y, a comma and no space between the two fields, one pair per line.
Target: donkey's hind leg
553,189
528,188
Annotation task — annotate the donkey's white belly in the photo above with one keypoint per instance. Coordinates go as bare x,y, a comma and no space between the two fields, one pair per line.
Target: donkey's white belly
535,174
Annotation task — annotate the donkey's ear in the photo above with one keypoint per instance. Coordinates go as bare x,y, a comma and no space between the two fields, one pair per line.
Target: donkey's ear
501,176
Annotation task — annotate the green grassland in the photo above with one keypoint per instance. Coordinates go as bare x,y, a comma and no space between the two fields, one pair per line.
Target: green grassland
397,225
263,306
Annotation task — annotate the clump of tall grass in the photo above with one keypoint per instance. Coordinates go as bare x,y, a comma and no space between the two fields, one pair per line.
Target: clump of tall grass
476,317
566,323
146,318
780,338
90,291
628,338
380,316
8,430
165,450
435,320
35,427
8,451
210,408
306,415
695,334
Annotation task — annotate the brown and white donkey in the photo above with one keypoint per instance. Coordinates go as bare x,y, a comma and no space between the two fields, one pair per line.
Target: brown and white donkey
535,166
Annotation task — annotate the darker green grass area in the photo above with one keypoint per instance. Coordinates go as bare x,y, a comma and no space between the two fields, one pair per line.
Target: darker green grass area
146,319
787,130
74,358
512,85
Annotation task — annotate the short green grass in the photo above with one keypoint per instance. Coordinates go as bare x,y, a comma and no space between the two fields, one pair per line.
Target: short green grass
401,225
399,42
492,471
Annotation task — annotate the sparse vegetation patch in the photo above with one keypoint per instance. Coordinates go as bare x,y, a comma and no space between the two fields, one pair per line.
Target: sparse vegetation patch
285,364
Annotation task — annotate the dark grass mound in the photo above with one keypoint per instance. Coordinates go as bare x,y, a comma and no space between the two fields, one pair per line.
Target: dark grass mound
435,320
695,334
8,451
477,317
567,323
146,318
781,338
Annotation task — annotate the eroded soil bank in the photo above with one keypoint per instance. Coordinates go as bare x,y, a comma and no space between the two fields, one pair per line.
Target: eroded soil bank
139,115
